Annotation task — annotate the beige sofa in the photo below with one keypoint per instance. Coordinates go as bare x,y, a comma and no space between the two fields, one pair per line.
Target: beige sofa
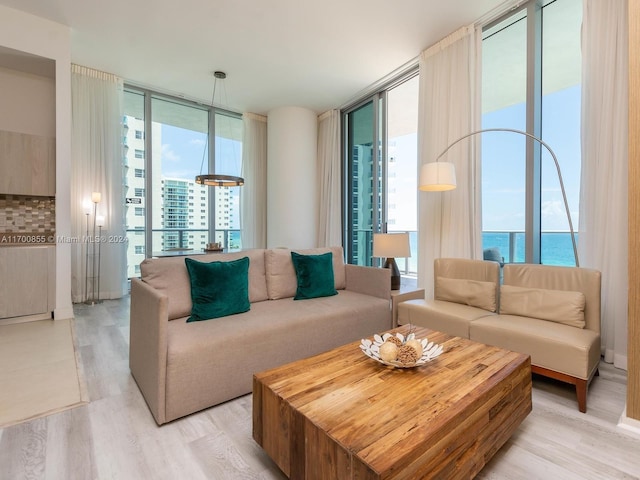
551,313
183,367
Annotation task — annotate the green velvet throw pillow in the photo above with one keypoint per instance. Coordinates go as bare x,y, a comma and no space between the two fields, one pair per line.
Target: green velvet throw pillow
314,274
218,289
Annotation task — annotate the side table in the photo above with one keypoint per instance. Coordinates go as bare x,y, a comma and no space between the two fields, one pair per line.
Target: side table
405,293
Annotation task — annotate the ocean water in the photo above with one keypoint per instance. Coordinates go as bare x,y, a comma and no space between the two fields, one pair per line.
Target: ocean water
556,247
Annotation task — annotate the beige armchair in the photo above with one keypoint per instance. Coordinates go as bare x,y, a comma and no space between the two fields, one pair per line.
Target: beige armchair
548,312
553,314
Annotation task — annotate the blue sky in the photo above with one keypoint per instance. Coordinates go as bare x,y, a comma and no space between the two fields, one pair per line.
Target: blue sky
504,165
182,153
503,172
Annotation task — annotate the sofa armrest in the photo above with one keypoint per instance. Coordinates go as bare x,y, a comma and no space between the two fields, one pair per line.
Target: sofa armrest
369,280
148,344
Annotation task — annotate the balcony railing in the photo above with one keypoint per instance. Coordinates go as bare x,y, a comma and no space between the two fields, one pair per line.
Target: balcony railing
228,238
556,248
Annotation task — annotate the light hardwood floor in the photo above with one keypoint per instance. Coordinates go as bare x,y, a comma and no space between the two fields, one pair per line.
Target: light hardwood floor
115,437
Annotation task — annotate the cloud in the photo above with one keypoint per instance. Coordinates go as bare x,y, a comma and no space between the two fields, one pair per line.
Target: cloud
169,154
553,208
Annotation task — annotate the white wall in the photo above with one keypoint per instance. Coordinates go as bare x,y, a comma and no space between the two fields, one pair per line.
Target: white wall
292,205
37,36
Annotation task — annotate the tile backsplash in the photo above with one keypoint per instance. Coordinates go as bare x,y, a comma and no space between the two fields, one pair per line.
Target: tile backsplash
27,214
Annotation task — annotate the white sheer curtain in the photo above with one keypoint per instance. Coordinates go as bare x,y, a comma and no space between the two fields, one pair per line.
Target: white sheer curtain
603,191
253,195
449,223
96,166
329,174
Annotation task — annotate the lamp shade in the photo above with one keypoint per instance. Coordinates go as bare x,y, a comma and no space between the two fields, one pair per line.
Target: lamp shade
391,245
437,177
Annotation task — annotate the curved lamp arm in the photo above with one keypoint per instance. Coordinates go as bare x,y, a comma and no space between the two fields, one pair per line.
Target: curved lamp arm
541,142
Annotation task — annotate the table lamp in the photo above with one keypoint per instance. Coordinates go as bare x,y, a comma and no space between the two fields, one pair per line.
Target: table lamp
392,246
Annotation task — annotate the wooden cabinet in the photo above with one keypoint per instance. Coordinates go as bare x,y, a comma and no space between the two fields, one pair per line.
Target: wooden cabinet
28,165
26,280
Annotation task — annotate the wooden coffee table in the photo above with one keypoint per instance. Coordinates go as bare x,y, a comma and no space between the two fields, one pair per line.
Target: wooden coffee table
342,415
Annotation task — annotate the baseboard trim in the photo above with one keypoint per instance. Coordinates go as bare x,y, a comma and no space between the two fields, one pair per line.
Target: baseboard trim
629,424
60,313
25,318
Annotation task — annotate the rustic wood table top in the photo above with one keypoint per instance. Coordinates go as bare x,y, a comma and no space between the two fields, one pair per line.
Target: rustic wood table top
343,415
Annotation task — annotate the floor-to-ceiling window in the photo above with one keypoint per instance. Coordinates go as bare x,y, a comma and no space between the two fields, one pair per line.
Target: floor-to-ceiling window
134,173
380,169
363,180
180,207
167,143
531,65
402,161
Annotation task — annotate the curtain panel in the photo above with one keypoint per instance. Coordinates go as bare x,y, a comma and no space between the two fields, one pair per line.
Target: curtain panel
330,176
253,195
449,223
96,166
603,228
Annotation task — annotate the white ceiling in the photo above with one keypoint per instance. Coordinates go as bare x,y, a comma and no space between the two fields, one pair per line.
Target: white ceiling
317,55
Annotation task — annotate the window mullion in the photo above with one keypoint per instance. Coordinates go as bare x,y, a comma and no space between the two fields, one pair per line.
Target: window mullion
534,126
381,131
148,177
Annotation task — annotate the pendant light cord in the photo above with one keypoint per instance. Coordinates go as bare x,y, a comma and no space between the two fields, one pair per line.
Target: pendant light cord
206,142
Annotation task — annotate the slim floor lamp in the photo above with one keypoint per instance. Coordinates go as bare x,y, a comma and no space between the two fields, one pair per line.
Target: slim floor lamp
94,299
86,258
440,176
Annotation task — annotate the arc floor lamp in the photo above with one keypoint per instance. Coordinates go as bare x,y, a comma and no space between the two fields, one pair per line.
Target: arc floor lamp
441,176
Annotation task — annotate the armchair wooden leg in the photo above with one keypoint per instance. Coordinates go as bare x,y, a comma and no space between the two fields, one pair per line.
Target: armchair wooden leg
581,385
581,392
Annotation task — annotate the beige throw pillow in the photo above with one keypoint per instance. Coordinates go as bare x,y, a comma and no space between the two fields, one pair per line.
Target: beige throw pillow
281,276
559,306
474,293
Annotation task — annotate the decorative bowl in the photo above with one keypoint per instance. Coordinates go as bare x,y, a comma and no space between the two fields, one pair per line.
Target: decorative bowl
371,349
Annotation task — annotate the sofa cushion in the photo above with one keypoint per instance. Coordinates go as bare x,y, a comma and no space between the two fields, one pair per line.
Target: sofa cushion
557,347
448,317
169,276
474,293
314,274
211,362
281,276
218,289
559,306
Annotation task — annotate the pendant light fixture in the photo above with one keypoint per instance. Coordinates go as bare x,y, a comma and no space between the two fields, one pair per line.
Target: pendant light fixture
213,179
